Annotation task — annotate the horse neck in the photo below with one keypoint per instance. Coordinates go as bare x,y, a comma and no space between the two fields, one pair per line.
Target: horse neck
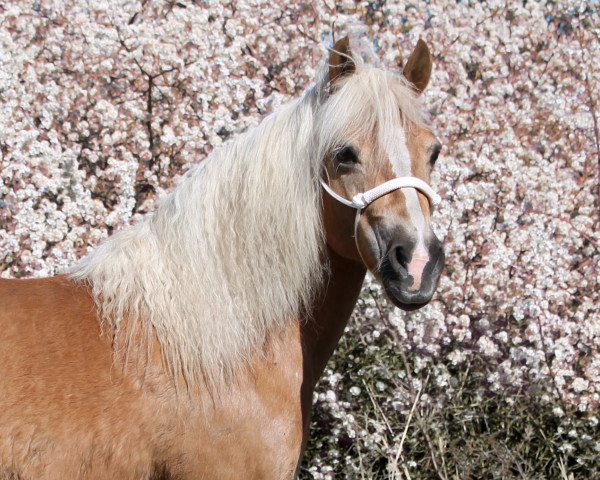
330,313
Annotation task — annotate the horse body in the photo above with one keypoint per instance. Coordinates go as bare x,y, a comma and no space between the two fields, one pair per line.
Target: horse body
74,414
189,346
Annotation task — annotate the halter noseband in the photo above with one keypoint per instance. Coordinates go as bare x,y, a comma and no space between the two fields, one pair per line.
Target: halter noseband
362,200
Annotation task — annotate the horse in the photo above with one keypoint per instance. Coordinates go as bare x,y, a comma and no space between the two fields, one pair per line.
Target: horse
188,345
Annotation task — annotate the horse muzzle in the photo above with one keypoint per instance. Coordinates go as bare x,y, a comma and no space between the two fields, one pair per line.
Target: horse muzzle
410,275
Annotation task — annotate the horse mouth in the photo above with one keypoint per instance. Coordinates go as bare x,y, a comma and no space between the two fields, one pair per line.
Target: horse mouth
409,307
398,298
398,284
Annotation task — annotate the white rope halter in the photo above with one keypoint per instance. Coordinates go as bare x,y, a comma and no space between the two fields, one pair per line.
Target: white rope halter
360,201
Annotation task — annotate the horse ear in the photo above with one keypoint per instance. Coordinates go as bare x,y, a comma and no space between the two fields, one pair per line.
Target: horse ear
418,67
340,61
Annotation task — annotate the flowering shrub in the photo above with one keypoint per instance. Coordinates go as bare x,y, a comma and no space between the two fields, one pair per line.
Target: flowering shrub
103,105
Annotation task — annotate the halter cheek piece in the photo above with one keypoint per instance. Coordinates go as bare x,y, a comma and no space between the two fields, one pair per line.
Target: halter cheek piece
360,201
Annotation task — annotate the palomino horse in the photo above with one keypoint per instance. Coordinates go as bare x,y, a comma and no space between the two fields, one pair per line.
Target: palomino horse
188,346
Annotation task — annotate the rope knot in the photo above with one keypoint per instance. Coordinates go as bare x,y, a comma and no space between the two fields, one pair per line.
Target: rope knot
359,201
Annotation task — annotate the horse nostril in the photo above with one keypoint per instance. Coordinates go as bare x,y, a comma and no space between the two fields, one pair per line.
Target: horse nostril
401,258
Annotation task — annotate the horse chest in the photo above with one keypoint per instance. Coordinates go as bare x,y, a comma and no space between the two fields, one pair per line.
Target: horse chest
252,430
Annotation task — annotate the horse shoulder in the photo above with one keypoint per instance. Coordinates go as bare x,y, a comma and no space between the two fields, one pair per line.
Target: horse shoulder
257,423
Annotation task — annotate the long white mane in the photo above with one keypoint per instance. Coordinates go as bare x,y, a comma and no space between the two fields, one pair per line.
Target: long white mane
235,252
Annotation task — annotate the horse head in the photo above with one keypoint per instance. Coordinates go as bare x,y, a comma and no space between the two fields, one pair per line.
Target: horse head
378,156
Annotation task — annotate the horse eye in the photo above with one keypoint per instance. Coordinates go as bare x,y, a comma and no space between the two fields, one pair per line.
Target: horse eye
434,155
346,154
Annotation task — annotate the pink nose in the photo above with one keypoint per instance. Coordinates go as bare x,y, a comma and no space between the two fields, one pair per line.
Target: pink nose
410,272
416,267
